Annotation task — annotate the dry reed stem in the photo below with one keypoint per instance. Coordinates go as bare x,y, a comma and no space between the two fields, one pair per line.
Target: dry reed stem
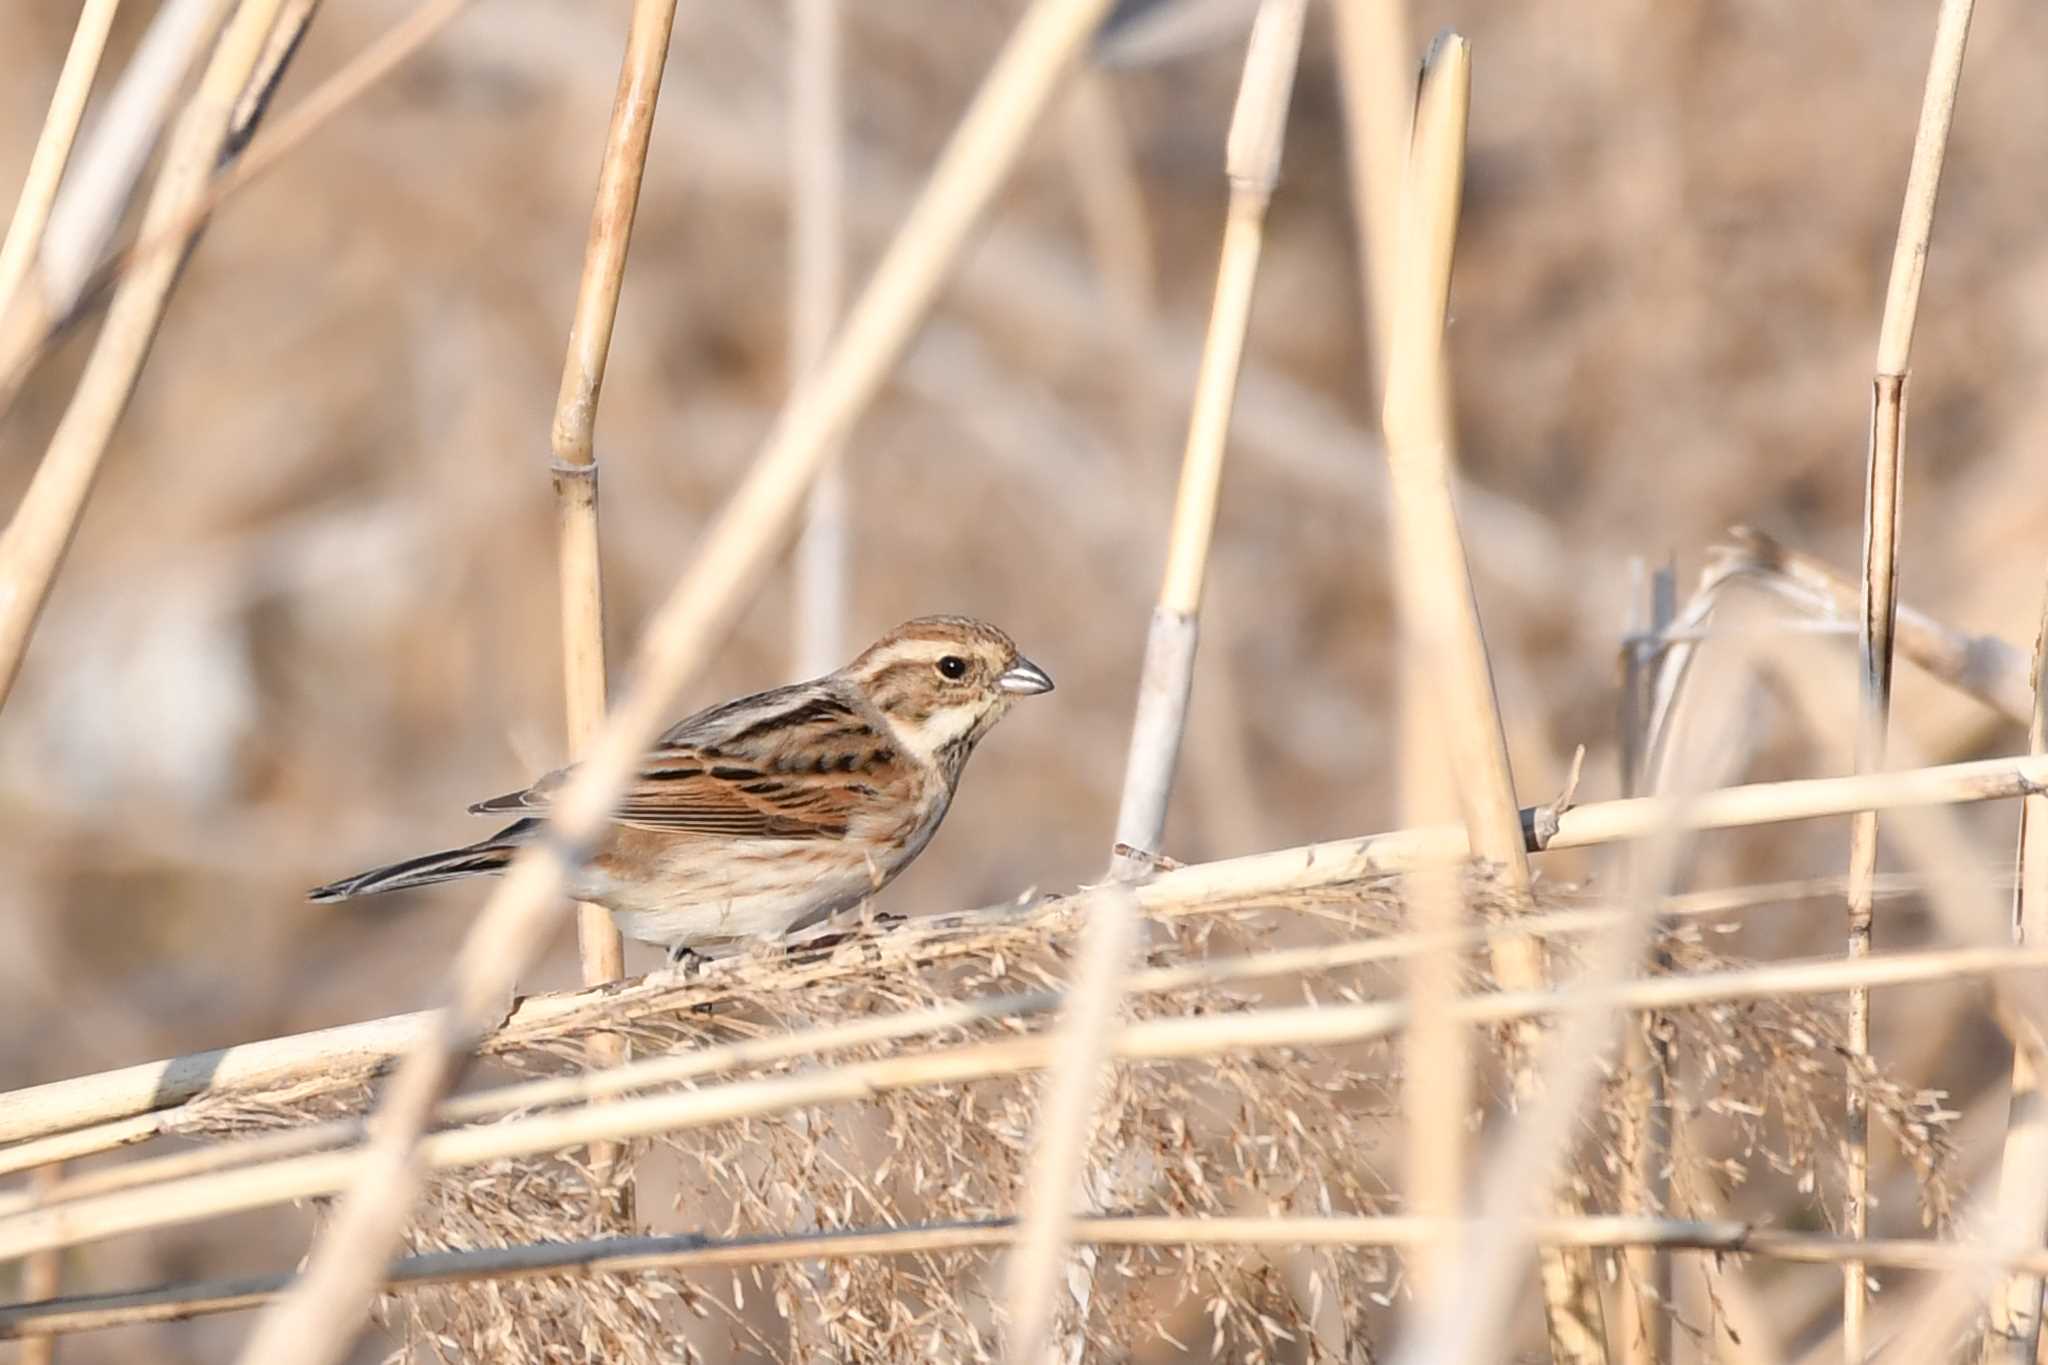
53,147
1376,70
1438,610
1525,1168
1965,904
626,1255
820,1042
1258,127
41,1276
1985,667
1374,66
33,546
1644,1295
583,1011
1073,1094
213,1194
58,1106
1252,156
2015,1329
575,473
43,1273
318,1318
77,274
101,182
1879,606
817,251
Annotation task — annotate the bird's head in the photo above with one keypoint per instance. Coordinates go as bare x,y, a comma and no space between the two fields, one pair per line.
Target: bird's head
940,682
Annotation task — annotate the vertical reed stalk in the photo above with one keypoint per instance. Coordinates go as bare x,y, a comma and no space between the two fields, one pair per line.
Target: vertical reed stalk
1376,68
575,478
1880,596
1644,1331
1436,589
1258,127
315,1322
817,212
33,546
2015,1334
41,1273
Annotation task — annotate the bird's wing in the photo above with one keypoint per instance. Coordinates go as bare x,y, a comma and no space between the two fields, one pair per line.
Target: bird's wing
796,763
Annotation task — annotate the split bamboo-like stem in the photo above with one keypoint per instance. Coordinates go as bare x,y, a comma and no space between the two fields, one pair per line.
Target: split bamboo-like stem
318,1318
1436,588
1258,128
1880,594
628,1255
53,147
215,1194
2015,1329
574,473
33,546
817,269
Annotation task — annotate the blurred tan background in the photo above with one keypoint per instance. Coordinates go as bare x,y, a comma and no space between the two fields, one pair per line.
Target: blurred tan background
311,615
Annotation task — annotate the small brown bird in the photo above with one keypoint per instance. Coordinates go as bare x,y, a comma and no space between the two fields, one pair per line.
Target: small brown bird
771,813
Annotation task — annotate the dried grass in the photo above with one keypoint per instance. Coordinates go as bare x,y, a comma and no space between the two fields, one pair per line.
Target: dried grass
1275,1132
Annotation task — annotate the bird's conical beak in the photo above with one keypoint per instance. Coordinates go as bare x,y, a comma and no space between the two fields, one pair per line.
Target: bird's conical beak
1024,679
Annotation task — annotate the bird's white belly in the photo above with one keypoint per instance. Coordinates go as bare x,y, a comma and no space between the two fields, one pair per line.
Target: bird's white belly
761,890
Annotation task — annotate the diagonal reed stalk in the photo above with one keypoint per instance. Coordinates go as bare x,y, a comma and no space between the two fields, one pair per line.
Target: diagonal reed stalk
1880,591
24,238
1442,632
817,251
33,546
72,274
2014,1336
574,471
318,1319
98,186
1258,127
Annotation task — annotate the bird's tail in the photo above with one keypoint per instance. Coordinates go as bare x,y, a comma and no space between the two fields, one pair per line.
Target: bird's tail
488,856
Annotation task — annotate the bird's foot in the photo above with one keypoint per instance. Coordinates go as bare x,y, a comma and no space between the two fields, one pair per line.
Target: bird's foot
685,964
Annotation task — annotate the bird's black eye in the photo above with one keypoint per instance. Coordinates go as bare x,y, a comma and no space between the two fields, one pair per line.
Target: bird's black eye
953,666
